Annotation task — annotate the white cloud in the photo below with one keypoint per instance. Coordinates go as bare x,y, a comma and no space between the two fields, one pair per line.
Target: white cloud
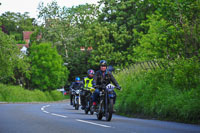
32,5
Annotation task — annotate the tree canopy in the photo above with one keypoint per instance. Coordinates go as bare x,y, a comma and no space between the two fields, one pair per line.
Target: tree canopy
120,31
47,67
15,23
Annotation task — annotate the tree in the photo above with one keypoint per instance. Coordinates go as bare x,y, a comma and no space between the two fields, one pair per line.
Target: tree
15,23
173,31
9,54
66,29
99,35
47,67
11,61
184,15
126,15
161,41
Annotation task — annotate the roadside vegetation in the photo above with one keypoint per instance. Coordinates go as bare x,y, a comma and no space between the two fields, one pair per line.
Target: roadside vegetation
69,41
170,93
9,93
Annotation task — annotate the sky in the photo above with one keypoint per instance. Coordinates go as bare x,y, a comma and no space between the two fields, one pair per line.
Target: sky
32,5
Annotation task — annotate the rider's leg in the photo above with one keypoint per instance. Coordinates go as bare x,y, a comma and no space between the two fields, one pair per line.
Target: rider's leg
70,98
115,96
95,96
83,100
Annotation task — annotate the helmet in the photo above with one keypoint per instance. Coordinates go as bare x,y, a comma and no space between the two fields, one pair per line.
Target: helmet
77,79
103,63
111,68
90,71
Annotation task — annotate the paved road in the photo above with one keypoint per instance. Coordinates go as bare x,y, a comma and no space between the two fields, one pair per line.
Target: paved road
62,118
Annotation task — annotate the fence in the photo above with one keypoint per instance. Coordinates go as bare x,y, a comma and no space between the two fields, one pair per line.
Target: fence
147,65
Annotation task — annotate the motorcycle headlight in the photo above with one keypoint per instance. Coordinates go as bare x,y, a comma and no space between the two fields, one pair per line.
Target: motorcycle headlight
77,91
110,87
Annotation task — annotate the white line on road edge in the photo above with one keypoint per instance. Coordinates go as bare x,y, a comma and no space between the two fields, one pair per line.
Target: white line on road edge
45,112
44,108
92,123
59,115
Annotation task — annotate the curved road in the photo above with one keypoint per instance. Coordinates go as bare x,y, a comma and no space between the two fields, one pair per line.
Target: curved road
62,118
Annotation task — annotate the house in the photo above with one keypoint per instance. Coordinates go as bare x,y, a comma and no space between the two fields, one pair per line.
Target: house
88,49
26,36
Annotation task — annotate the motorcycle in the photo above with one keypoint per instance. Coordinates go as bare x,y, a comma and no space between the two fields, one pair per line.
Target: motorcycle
106,103
89,107
76,99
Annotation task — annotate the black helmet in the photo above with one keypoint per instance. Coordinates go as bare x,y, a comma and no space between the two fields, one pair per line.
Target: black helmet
103,63
90,71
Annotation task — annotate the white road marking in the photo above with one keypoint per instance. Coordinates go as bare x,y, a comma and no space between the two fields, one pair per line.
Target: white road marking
63,116
92,123
59,115
43,108
45,112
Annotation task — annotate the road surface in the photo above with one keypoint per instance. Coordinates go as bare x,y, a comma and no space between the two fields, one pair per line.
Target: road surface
62,118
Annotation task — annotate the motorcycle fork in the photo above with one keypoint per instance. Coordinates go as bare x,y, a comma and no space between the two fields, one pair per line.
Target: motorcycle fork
79,99
109,95
106,101
101,104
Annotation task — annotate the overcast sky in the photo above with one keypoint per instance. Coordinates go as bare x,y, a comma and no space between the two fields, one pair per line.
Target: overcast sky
32,5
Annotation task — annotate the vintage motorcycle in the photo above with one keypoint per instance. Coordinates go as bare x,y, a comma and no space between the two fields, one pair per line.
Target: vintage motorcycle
88,107
106,102
76,100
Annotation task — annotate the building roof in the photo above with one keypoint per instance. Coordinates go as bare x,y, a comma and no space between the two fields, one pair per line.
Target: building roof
27,34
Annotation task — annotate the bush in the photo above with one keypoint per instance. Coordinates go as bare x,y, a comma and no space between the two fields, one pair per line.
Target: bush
18,94
47,69
1,97
170,93
56,95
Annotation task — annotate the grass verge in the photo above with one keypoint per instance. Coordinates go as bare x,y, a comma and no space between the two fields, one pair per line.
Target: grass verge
9,93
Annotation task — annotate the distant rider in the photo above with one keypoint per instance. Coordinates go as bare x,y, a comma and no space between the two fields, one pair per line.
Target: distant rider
75,85
102,78
88,83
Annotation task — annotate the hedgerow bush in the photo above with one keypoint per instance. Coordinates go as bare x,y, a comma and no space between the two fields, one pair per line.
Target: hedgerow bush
55,95
10,93
170,93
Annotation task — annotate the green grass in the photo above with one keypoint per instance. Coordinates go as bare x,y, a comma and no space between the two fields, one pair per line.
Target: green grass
171,93
10,93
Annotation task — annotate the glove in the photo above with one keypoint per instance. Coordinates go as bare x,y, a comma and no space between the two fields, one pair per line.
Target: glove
119,88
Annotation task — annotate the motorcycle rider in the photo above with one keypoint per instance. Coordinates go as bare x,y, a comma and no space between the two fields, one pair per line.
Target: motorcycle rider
102,78
88,83
75,85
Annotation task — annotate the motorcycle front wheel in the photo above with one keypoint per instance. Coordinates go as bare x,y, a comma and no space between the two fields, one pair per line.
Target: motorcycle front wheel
77,104
109,112
91,111
99,116
86,111
100,113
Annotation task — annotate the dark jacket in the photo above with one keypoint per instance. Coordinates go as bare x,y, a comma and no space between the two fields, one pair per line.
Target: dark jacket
101,80
76,86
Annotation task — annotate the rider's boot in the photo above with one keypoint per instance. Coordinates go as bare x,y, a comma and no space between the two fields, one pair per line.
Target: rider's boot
94,106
